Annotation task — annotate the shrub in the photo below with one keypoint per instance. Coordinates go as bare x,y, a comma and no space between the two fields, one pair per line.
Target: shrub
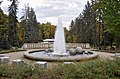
95,69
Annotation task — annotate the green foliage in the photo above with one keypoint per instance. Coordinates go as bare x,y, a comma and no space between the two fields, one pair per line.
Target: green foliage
111,10
10,30
110,18
3,23
18,72
90,70
12,24
84,26
94,69
4,44
30,24
98,24
20,32
47,30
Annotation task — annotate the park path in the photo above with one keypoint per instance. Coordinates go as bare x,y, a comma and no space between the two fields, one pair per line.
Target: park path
105,55
19,55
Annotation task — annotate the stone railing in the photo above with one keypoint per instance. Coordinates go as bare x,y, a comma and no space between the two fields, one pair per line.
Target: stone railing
50,45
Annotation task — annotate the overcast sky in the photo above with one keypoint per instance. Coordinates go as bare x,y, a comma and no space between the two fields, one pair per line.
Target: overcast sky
50,10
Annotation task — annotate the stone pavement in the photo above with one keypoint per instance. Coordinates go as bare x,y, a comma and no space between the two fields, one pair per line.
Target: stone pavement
104,55
19,55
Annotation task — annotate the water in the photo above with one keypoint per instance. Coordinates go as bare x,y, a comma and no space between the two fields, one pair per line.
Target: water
59,42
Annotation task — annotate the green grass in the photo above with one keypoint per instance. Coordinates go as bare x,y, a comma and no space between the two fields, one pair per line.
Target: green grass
94,69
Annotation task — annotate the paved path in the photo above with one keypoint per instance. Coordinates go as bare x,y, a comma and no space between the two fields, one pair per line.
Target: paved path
104,55
19,55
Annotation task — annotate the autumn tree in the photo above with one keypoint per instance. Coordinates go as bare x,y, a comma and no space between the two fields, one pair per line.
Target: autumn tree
47,30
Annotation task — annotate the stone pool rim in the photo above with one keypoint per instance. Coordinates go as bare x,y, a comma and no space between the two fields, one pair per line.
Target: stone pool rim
57,58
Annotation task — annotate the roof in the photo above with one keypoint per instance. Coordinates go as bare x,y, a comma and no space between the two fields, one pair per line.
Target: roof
48,40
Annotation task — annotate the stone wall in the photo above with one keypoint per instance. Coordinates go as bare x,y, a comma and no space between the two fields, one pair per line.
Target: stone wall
50,45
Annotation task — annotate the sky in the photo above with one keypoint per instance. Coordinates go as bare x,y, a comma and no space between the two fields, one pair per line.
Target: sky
50,10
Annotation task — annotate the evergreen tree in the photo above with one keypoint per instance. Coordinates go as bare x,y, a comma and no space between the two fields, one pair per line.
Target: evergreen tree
29,21
71,26
12,24
3,31
84,26
4,44
89,20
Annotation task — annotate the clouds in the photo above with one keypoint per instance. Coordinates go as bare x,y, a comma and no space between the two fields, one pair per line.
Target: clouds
50,10
59,7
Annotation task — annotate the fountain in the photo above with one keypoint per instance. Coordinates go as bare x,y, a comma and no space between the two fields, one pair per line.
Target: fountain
59,50
59,42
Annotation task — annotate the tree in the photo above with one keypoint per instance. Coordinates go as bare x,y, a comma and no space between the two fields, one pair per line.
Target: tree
3,31
67,33
89,24
12,24
1,2
20,33
110,10
47,30
111,21
83,28
31,28
4,44
72,27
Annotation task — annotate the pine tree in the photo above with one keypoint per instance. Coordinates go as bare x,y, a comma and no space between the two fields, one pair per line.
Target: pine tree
4,44
29,21
85,26
71,25
12,24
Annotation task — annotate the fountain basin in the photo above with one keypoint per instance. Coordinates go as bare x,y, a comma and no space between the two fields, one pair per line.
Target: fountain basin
43,56
59,50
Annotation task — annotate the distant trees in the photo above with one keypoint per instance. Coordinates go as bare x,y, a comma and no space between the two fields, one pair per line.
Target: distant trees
14,33
30,24
84,26
98,24
47,30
